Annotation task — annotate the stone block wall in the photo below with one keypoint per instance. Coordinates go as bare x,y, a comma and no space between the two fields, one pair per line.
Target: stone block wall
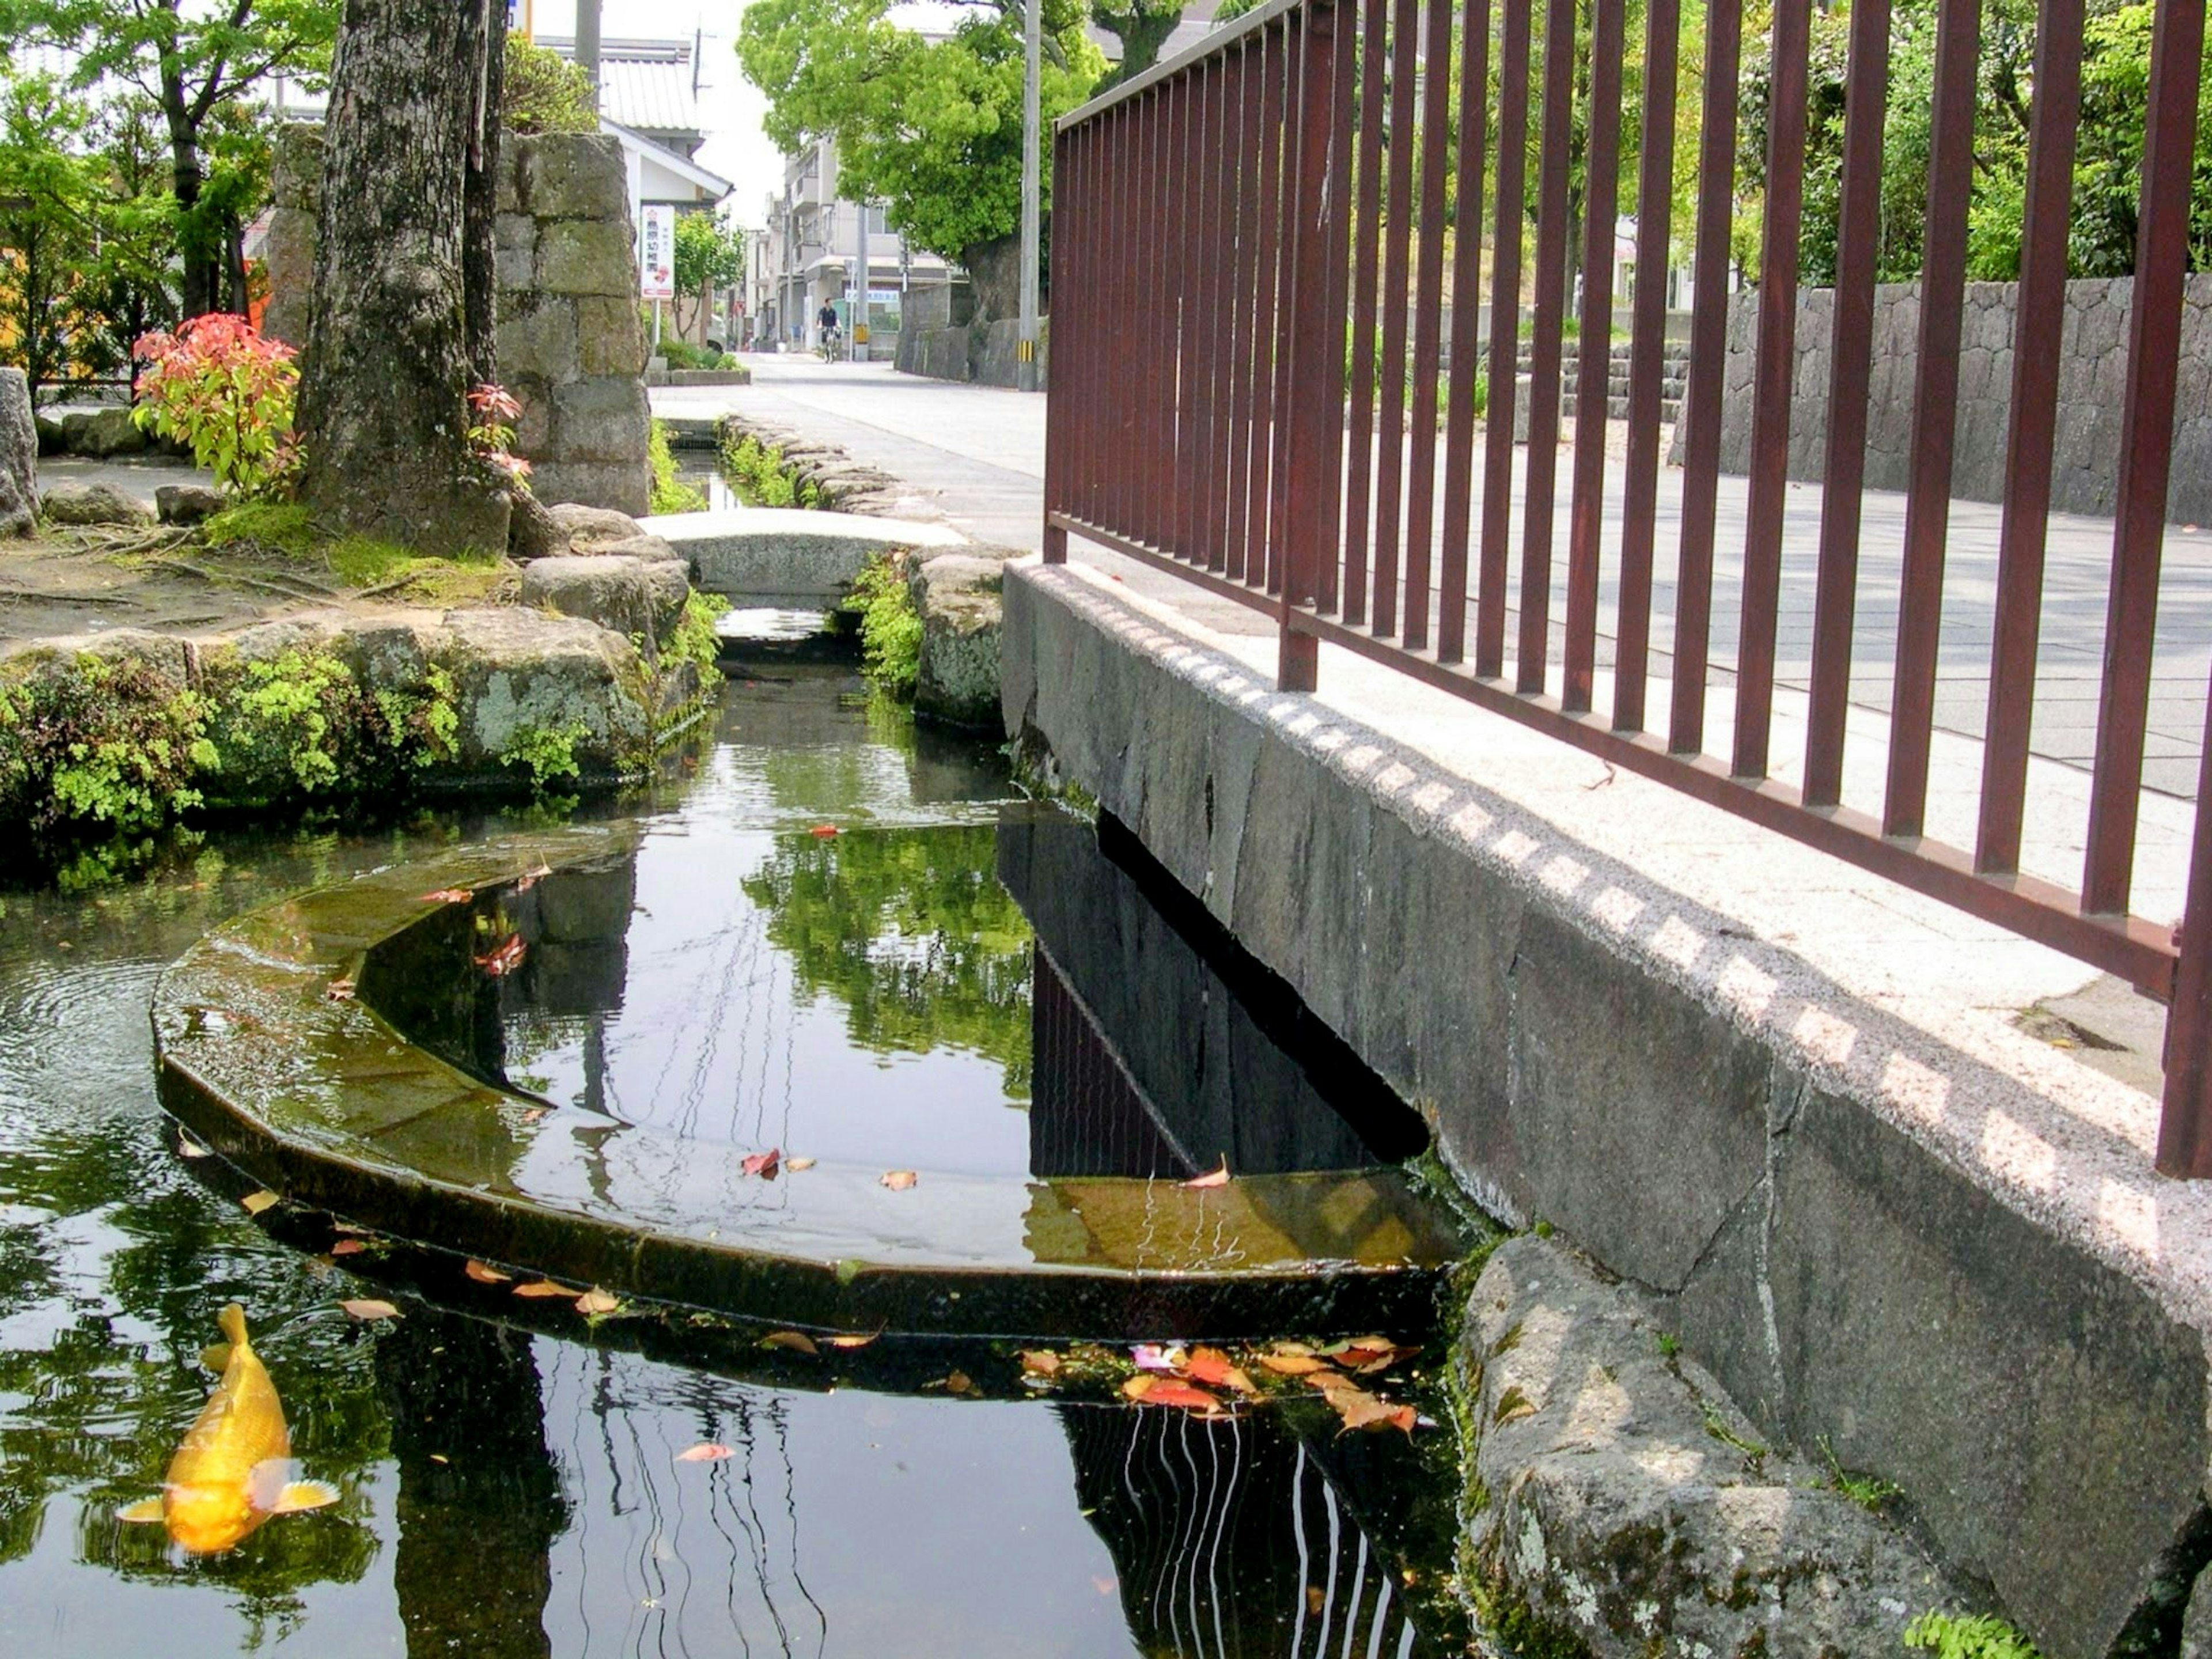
2091,385
571,347
984,354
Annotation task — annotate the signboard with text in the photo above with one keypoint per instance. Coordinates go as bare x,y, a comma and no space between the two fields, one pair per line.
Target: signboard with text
656,251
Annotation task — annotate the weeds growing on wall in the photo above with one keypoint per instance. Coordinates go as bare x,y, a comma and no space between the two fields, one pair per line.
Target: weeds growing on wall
891,628
1949,1637
670,493
99,743
757,472
547,753
695,640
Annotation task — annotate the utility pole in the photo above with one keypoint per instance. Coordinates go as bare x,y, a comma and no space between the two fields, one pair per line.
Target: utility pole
1032,238
588,44
860,347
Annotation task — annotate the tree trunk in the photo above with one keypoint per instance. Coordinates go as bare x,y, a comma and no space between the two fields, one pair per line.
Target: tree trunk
480,202
994,275
201,274
392,347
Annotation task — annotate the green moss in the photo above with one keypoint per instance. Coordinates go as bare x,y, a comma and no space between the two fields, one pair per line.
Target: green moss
1867,1491
282,527
1520,1629
285,531
890,627
1950,1636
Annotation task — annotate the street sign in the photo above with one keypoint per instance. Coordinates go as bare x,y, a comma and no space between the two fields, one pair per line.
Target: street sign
882,296
656,251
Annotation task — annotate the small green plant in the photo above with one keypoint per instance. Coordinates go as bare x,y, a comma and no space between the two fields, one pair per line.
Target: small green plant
422,726
220,387
493,412
670,493
1867,1491
1669,1345
546,752
695,639
286,724
99,743
540,91
891,628
756,472
1717,1426
1950,1636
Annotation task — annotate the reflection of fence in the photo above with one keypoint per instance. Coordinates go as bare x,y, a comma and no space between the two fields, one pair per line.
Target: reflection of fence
1226,223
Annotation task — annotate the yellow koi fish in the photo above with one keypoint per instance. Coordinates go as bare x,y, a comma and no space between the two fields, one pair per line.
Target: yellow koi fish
235,1467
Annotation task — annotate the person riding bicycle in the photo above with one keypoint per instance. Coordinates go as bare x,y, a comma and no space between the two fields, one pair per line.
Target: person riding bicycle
827,321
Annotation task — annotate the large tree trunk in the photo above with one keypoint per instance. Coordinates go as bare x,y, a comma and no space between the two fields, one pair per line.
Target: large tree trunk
480,202
994,277
392,344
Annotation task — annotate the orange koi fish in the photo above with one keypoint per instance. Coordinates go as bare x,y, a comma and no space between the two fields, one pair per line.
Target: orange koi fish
234,1469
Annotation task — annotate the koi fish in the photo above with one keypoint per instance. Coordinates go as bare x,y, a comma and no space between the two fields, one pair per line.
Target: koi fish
234,1468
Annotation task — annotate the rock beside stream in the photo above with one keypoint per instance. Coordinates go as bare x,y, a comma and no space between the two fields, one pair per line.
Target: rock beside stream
637,597
1621,1501
19,456
73,503
960,599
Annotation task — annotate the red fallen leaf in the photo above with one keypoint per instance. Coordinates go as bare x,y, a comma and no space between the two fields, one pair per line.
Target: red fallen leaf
535,1113
531,877
448,895
367,1310
504,957
486,1275
1212,1178
796,1341
545,1288
1292,1364
822,831
339,990
1166,1391
762,1163
898,1179
1040,1362
707,1451
347,1247
1212,1367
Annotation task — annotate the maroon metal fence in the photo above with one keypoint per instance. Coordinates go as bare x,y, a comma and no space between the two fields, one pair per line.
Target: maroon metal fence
1249,253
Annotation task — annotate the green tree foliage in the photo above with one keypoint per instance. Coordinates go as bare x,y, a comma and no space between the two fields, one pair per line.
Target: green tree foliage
932,129
541,91
48,219
709,253
1143,27
194,63
911,933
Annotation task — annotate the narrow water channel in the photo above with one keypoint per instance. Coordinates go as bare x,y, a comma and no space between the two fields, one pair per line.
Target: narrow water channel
517,1487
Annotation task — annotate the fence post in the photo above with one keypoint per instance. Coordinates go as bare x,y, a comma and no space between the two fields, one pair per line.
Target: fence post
1313,431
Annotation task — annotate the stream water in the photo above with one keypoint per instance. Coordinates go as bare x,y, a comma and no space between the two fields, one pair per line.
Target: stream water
508,1489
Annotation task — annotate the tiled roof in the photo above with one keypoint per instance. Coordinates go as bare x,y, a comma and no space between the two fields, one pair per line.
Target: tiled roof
645,85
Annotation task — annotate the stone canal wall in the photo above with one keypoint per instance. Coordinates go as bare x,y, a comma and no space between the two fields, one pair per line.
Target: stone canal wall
2092,379
1894,1244
571,347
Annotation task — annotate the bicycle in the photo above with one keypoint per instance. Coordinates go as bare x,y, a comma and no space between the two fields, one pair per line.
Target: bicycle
830,347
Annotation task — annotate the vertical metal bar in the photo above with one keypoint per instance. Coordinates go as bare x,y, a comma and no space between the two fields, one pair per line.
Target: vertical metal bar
1701,397
1428,319
1397,275
1129,445
1777,359
1241,345
1367,226
2145,450
1544,346
1179,317
1337,233
1858,236
1274,392
2030,444
1655,234
1221,289
1504,362
1466,300
1266,410
1935,416
1061,401
1316,423
1594,380
2184,1126
1157,421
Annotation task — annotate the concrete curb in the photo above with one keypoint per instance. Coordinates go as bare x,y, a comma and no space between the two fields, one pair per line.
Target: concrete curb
1945,1253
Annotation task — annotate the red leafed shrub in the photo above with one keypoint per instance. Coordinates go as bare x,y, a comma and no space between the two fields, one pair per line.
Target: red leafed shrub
225,390
493,412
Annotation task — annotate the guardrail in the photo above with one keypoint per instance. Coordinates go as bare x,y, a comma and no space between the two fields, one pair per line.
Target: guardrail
1250,252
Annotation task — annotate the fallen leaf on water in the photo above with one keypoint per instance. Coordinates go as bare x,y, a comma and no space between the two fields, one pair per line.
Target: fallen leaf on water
1212,1178
1040,1362
1167,1391
762,1163
1138,1386
255,1203
370,1308
347,1247
822,831
1315,1600
535,1113
486,1275
1157,1357
530,879
797,1342
1292,1364
439,1457
707,1451
448,895
545,1288
595,1302
339,990
1104,1586
859,1342
796,1164
899,1180
503,957
1212,1367
1293,1348
960,1383
187,1147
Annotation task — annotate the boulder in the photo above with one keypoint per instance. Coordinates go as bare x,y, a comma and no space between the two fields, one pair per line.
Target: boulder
186,503
643,598
19,456
75,504
959,597
519,672
1620,1498
585,525
50,440
110,432
533,531
654,550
